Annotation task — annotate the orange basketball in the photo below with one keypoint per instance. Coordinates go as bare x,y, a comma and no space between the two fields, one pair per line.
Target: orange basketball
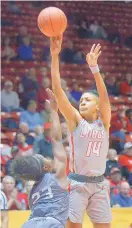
52,21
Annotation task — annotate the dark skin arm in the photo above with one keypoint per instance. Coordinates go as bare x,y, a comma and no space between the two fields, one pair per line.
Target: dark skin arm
58,149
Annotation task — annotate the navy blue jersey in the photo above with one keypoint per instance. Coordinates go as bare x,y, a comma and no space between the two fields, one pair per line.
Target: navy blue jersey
48,199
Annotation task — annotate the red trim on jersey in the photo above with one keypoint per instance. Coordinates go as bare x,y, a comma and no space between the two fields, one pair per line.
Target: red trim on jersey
72,142
69,188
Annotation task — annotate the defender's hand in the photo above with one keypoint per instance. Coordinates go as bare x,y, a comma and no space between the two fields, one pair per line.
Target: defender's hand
92,57
52,100
55,45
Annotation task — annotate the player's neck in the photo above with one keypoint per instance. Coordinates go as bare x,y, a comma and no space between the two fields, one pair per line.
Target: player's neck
91,119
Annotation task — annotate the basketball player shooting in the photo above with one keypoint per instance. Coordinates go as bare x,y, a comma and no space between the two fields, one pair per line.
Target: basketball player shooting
49,197
89,142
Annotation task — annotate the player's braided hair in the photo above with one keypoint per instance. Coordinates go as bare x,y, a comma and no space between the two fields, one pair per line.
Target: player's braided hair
28,168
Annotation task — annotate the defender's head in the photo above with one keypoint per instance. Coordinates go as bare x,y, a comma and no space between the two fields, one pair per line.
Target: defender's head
31,167
89,105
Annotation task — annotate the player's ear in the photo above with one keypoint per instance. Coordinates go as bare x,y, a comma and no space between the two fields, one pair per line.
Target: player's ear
45,168
98,111
97,107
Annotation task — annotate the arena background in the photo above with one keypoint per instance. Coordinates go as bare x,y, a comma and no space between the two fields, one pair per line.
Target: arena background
114,33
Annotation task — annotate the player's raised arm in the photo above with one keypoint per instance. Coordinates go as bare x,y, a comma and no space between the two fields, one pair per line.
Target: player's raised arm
104,106
65,107
58,149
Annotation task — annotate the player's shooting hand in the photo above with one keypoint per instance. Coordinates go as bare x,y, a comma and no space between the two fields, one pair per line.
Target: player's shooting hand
55,45
52,100
92,57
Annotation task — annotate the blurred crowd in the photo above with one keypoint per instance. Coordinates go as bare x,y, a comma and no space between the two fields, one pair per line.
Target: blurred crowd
31,132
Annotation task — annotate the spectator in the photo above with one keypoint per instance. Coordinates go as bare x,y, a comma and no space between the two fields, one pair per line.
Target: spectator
42,76
111,86
46,113
42,94
67,92
13,196
83,30
129,115
65,133
23,33
113,34
24,148
115,180
79,58
9,98
126,86
30,116
29,86
129,121
125,161
111,162
97,30
24,129
25,51
46,52
39,131
75,93
128,41
123,199
6,22
43,146
8,52
28,186
13,8
119,128
67,54
8,165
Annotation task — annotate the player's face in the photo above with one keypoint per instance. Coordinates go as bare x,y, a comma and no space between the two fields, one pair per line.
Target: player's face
88,105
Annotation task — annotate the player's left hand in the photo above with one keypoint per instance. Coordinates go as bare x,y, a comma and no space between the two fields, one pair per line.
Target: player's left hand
92,57
52,100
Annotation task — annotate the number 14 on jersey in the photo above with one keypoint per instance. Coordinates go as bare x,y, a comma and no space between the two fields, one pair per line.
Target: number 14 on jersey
93,148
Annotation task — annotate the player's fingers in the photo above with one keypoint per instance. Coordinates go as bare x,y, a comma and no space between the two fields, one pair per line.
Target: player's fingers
51,95
88,57
47,102
51,41
97,48
48,92
99,54
92,49
60,37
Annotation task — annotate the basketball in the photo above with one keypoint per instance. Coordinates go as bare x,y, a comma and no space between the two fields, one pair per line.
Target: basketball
52,21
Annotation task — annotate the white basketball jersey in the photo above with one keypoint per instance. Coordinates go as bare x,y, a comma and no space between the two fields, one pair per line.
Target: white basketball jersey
89,145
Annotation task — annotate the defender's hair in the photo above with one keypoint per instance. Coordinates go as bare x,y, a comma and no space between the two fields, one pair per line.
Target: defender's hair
28,167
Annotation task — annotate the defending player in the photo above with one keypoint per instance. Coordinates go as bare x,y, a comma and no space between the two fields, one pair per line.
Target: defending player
89,141
49,198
